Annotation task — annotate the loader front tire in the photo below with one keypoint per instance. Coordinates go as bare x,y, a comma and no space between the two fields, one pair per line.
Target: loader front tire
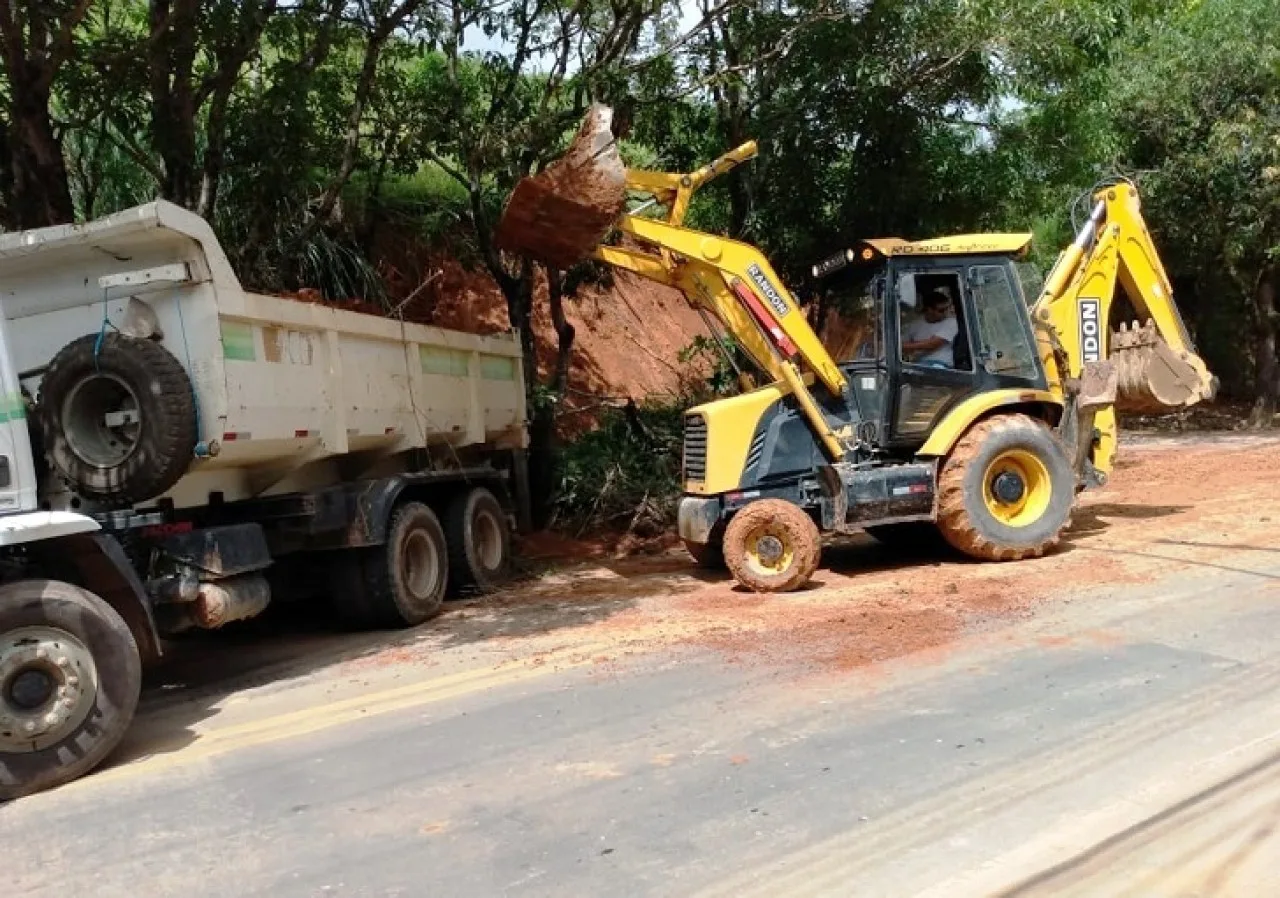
1006,490
772,546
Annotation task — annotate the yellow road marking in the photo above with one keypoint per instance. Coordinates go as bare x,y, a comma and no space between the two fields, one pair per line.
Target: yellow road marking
321,717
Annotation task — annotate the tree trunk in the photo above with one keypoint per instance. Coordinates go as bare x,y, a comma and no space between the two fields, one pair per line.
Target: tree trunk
36,39
173,98
41,190
564,331
518,291
1267,388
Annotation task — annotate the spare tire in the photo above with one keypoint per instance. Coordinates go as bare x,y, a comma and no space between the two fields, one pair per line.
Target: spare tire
119,420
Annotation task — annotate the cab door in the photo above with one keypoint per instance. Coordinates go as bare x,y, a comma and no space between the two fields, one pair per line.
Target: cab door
1005,344
924,390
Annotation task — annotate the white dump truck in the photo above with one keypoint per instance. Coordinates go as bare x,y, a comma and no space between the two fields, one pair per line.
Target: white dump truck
177,453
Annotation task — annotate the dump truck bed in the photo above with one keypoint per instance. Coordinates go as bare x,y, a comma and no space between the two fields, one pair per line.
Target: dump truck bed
285,389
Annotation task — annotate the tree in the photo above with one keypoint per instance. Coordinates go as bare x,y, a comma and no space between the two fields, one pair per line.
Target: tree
37,38
1198,96
492,118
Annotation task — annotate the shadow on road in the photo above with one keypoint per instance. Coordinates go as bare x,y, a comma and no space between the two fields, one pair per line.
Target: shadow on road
293,641
1092,519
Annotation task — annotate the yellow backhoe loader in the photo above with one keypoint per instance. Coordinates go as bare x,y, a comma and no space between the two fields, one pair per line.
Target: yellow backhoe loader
958,409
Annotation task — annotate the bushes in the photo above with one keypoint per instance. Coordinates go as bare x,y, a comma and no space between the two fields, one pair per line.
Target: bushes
625,475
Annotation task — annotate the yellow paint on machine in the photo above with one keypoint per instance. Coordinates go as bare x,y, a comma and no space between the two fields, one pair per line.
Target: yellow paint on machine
961,418
731,423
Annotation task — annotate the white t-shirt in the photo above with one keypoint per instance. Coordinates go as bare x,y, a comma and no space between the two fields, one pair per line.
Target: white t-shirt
920,330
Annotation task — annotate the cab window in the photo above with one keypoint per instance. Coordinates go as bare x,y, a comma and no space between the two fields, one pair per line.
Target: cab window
1007,346
852,330
931,325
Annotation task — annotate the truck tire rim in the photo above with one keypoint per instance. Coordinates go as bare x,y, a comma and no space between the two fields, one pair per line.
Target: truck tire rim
48,685
487,539
769,549
420,565
101,420
1017,488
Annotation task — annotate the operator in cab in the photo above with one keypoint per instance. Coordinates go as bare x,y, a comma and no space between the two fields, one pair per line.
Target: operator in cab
929,340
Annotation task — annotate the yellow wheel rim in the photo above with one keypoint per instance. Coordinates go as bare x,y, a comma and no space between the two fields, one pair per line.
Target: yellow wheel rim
770,549
1016,488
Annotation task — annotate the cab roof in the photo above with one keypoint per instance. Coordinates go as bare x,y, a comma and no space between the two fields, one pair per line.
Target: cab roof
955,245
1011,244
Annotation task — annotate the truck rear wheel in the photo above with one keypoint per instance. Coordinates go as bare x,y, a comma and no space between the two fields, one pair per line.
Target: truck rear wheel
118,417
772,546
479,542
399,584
1006,490
70,676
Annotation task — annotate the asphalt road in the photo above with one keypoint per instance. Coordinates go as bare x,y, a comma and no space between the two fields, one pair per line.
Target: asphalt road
1122,741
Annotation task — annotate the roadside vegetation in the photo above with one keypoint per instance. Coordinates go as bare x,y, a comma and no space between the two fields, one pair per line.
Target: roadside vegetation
332,143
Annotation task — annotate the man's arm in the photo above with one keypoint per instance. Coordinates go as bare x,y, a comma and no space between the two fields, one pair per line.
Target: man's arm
921,346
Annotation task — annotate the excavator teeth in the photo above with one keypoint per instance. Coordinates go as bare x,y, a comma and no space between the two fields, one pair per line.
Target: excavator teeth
1152,377
561,214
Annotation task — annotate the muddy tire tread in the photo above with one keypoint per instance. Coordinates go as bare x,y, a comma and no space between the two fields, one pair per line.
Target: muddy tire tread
954,519
807,539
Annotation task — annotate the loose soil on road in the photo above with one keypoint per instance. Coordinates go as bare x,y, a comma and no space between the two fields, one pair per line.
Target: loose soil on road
1176,503
1173,502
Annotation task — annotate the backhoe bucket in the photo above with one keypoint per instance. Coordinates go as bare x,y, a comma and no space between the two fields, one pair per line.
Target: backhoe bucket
560,215
1154,378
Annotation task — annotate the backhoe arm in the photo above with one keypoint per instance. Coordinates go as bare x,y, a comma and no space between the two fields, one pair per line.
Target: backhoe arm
1155,365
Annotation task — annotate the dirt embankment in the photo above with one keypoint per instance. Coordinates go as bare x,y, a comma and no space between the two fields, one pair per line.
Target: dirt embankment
627,337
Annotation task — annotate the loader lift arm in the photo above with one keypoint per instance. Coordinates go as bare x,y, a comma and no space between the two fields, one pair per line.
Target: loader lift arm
735,282
732,280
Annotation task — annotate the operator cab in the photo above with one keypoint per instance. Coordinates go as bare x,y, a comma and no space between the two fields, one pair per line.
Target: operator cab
919,327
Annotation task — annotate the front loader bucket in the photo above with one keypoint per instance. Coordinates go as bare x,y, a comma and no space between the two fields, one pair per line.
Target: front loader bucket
561,214
1154,378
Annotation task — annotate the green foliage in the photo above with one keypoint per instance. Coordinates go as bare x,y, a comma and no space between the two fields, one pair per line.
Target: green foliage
707,353
895,117
628,465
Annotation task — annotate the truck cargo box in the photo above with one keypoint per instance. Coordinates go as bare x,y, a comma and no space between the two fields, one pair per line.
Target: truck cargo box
288,394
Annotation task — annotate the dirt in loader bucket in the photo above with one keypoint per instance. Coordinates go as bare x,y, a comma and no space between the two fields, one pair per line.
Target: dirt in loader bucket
1152,376
565,211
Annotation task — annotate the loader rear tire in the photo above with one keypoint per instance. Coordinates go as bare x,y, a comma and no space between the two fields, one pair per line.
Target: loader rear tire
772,546
1006,490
